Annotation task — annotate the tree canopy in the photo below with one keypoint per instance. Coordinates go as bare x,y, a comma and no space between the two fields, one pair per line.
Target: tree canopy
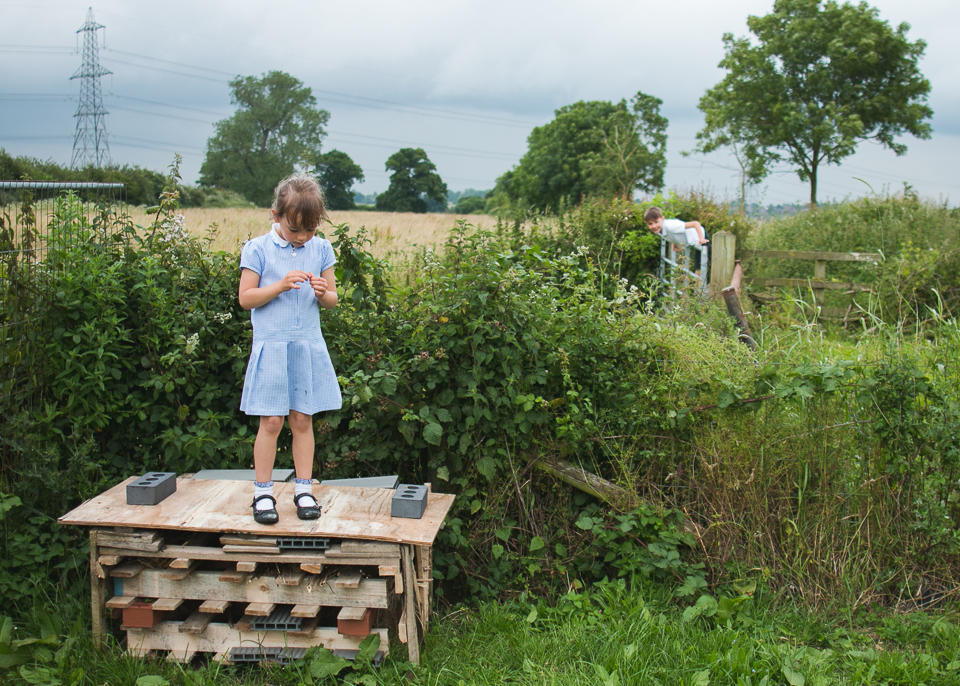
277,126
336,174
817,80
413,182
591,148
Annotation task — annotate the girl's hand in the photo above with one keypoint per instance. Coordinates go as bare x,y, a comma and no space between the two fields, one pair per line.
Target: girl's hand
319,285
293,279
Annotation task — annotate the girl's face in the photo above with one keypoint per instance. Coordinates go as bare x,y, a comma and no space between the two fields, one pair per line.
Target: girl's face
296,237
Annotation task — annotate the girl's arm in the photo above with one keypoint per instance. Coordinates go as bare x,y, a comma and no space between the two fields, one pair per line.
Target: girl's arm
696,225
325,288
252,295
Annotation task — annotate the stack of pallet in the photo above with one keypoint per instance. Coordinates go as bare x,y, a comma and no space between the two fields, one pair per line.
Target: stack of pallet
244,596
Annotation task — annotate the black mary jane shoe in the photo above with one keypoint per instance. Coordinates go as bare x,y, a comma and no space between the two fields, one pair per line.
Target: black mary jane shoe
308,511
265,516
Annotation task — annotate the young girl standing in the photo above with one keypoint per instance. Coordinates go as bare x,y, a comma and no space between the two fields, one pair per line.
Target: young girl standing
286,275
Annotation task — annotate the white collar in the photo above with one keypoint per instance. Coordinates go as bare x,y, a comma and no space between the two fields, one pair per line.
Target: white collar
277,238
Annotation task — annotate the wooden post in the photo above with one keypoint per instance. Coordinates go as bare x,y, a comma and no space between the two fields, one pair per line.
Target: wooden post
98,584
410,593
819,274
733,307
724,247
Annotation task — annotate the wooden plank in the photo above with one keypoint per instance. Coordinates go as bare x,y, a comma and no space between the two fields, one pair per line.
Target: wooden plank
348,579
260,609
194,624
808,283
423,564
181,563
220,637
167,604
110,560
127,570
245,623
369,549
205,585
245,566
305,611
132,540
388,570
352,614
184,658
248,540
299,557
232,576
223,508
291,577
823,256
311,569
410,605
214,607
120,602
253,549
180,573
97,593
307,628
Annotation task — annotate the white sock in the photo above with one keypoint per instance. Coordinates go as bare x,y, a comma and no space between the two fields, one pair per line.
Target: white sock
303,487
264,488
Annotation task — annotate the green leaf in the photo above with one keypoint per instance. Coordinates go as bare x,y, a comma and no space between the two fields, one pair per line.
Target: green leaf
368,649
432,433
532,617
152,681
497,551
793,678
443,474
536,544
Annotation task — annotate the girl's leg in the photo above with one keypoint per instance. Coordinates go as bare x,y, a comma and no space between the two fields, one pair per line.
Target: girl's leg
264,455
301,425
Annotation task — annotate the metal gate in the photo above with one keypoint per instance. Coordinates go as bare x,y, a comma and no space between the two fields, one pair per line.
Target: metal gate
671,277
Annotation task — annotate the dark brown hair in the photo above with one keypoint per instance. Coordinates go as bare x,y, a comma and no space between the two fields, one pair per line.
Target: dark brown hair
300,200
652,214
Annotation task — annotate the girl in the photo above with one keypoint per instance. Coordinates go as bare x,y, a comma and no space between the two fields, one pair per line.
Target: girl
286,276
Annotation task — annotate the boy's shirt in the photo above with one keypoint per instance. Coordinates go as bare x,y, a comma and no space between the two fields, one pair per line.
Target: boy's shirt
674,231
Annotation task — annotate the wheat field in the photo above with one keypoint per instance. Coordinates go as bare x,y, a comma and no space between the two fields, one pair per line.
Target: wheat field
391,232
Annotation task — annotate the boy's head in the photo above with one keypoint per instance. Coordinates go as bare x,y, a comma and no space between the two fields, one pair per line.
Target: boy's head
299,200
654,219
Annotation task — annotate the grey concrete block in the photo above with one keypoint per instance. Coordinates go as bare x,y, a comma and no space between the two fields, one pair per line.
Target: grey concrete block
264,653
302,543
279,620
409,501
151,488
242,474
365,482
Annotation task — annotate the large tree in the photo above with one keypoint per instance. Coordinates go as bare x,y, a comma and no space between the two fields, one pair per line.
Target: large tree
336,174
277,127
815,81
414,181
591,148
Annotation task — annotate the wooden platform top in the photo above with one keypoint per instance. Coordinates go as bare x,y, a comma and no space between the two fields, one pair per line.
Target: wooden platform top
225,506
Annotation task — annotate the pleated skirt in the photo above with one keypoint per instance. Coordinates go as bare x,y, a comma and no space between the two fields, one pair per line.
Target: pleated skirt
289,375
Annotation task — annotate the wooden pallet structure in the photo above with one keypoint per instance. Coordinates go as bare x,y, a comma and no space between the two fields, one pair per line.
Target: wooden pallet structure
195,574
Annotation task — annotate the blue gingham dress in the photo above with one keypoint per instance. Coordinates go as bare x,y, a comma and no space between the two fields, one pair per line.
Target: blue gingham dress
289,366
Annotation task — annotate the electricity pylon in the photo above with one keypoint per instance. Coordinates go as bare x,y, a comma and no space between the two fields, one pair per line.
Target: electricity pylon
90,145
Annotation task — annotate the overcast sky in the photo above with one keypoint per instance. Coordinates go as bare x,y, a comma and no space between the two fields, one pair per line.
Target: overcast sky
466,81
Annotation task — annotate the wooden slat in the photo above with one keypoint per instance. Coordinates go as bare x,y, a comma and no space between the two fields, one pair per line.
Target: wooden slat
127,570
194,624
369,549
247,566
245,623
410,605
311,569
181,563
219,637
305,611
352,613
120,602
206,585
217,555
132,540
808,283
167,604
97,594
214,607
252,549
248,540
180,573
111,560
260,609
825,256
307,628
232,576
348,579
291,577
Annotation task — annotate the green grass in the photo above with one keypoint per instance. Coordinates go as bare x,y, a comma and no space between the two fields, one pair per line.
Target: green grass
606,635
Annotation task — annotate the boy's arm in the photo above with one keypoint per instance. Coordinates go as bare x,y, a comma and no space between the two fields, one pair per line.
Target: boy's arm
696,225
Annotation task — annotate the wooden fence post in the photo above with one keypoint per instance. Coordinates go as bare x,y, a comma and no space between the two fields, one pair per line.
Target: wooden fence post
724,248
